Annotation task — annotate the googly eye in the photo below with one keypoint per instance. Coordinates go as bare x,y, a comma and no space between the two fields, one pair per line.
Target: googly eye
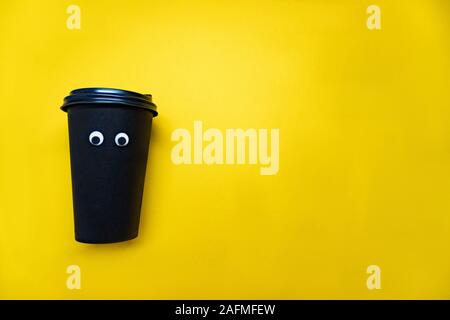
121,139
96,138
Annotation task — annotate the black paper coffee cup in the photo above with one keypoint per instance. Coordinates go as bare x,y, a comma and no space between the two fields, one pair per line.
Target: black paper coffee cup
109,133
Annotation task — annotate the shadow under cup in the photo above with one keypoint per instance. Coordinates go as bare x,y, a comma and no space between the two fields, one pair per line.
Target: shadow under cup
109,133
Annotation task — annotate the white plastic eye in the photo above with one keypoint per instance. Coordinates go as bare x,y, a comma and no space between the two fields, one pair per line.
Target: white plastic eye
96,138
121,139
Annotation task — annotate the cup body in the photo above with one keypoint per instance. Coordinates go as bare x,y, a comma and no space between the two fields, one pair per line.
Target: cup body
109,145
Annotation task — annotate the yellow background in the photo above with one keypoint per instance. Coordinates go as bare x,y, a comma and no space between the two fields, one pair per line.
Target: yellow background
364,119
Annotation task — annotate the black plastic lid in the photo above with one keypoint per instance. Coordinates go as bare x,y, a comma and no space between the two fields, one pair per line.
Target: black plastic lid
111,96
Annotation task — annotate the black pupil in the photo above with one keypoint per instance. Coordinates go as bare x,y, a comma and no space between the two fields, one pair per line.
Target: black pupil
95,140
122,141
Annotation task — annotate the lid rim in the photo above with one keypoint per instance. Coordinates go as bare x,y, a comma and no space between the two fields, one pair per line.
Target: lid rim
109,96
